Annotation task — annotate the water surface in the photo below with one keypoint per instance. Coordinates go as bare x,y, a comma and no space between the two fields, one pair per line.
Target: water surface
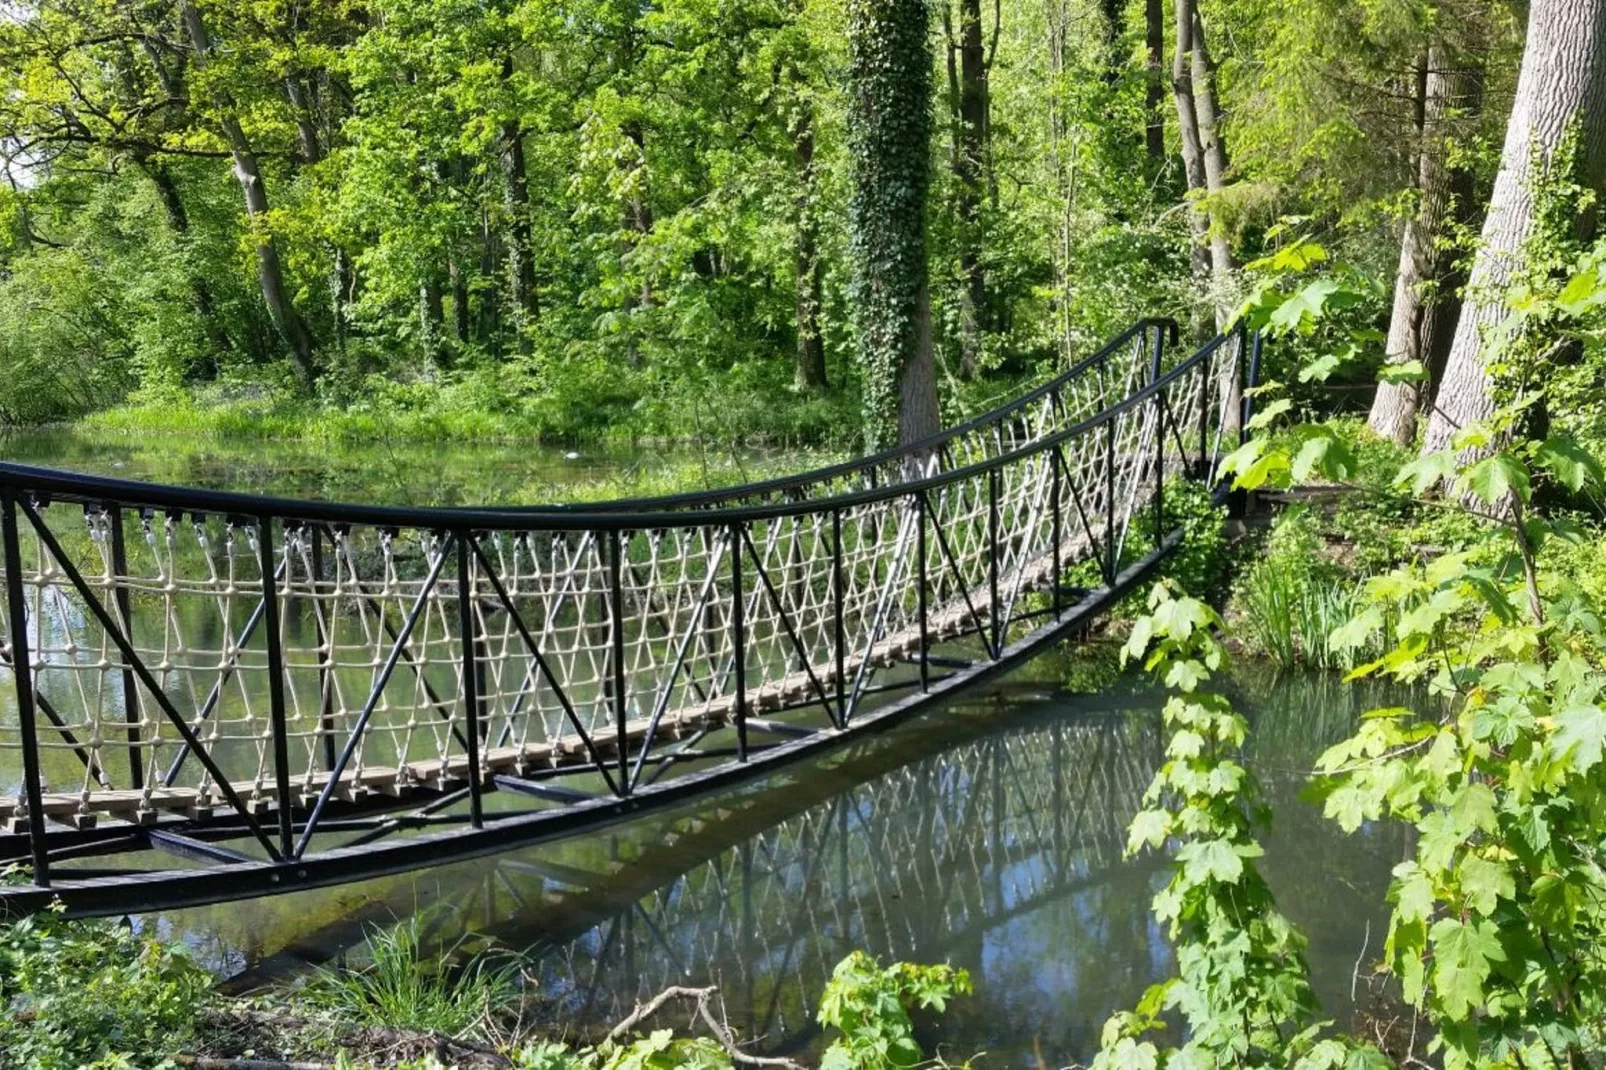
988,834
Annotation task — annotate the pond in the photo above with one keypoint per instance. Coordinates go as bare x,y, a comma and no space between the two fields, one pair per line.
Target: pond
988,834
399,472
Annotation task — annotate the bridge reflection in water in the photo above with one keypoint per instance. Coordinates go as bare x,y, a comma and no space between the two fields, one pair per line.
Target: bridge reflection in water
989,835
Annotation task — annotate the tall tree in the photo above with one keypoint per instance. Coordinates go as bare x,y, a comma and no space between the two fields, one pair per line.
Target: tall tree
1426,302
971,156
1561,93
808,286
248,171
889,134
1154,83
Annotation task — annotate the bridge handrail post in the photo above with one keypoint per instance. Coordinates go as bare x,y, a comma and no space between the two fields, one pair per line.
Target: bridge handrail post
1109,500
470,686
326,721
276,703
919,506
616,655
992,561
1055,534
114,518
22,676
839,637
1159,439
1251,375
739,640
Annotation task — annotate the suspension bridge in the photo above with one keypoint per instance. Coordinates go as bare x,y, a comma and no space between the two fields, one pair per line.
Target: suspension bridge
214,696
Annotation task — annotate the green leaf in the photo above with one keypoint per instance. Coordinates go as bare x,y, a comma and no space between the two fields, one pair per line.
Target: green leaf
1414,896
1211,860
1494,478
1407,371
1321,368
1462,958
1269,413
1149,828
1484,882
1572,465
1427,472
1580,735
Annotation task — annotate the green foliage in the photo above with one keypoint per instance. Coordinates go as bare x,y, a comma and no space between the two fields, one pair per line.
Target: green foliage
76,994
869,1005
1242,985
402,987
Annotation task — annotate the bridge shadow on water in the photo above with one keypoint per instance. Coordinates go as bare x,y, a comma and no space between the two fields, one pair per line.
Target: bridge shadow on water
988,834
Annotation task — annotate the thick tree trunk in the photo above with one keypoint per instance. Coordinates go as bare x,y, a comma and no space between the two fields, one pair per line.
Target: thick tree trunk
1154,90
918,413
1426,305
270,274
1562,88
807,291
889,138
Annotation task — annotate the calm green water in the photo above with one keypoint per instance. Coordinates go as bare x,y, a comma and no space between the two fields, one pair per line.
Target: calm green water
397,472
988,834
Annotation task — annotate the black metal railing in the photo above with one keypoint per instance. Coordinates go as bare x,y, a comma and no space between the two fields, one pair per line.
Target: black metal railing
366,689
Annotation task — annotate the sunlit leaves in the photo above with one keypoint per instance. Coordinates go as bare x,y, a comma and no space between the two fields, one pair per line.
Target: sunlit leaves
1495,478
1463,955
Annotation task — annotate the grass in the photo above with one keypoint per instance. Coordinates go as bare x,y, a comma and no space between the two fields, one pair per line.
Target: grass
404,988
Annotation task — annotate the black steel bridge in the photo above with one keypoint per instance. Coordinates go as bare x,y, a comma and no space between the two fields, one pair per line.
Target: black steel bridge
223,696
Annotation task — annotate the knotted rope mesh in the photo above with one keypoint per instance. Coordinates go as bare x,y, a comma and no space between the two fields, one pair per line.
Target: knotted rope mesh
569,666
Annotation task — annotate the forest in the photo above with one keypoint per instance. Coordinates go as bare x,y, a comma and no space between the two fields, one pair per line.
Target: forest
588,219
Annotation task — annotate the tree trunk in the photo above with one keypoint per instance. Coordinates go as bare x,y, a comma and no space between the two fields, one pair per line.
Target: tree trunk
970,159
458,282
270,274
1193,167
1562,88
810,370
178,220
918,413
522,297
431,318
1426,305
1213,148
889,139
1154,89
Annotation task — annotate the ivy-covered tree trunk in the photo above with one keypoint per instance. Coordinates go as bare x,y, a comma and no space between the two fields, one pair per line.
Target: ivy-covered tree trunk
889,137
1426,302
1561,94
810,368
270,274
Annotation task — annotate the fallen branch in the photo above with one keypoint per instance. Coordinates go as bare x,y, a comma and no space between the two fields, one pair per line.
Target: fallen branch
721,1030
202,1062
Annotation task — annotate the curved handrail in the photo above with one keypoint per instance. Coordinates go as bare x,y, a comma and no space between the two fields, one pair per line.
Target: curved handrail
88,488
796,481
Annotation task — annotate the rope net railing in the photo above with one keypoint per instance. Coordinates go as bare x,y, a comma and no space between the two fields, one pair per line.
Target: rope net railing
481,660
